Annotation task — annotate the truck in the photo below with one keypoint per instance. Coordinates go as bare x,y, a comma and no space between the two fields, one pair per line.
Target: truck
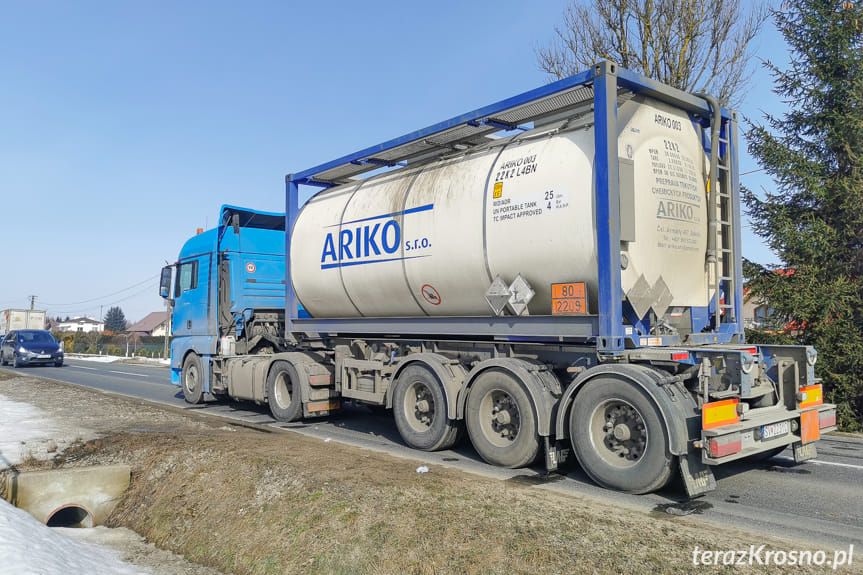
556,275
12,319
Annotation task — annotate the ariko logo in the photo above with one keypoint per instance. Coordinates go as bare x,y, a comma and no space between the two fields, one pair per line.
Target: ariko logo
366,241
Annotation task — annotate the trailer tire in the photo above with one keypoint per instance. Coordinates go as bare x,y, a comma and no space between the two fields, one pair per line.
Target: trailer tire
619,438
283,392
501,420
420,410
192,378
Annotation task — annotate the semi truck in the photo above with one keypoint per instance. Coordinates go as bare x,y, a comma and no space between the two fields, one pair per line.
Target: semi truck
556,275
12,319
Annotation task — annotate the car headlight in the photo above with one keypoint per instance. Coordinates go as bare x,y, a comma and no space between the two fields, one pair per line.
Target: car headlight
23,350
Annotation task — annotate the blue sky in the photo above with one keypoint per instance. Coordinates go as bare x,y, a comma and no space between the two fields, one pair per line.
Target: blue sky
124,126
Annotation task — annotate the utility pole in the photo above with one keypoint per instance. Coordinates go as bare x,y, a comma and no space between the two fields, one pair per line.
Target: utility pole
33,302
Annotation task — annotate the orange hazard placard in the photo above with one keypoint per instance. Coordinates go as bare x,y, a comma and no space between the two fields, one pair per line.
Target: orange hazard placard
568,299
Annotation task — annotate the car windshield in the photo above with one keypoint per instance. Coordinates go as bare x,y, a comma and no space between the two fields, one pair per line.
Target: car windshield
35,337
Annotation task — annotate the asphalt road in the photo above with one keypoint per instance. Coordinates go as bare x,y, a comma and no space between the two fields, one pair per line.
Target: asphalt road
818,503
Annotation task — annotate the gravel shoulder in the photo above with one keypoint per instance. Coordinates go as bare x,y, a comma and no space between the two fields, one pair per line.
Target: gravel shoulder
232,499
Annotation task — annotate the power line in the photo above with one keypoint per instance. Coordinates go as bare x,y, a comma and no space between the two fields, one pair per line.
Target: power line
104,296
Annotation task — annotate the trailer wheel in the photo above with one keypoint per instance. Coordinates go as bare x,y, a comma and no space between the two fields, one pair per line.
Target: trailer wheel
420,410
192,376
283,392
619,438
500,420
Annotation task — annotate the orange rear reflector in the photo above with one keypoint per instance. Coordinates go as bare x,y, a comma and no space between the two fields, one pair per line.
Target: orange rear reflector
719,413
814,396
810,429
315,406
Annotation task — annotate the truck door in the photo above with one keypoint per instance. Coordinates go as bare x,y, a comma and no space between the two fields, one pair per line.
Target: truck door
192,298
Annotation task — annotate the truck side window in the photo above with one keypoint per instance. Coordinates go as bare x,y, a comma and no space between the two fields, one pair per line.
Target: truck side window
187,277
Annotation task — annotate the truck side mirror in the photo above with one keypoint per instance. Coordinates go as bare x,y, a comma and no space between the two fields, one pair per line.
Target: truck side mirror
235,223
165,282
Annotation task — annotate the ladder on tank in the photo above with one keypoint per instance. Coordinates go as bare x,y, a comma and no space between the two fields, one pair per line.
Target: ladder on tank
725,289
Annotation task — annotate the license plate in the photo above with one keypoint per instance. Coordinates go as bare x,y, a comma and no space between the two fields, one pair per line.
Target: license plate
45,356
774,430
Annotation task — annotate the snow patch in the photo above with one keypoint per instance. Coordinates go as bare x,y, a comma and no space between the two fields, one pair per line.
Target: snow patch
21,425
27,546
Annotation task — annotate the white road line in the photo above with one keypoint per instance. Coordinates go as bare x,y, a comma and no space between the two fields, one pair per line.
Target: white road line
128,373
82,367
820,462
837,464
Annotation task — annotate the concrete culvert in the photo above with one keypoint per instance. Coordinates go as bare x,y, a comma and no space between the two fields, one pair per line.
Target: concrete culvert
78,497
70,516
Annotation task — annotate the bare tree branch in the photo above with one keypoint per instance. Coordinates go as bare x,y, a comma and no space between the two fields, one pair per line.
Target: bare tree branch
694,45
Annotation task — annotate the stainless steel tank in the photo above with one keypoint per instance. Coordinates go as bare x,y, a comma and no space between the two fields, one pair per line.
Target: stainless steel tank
430,240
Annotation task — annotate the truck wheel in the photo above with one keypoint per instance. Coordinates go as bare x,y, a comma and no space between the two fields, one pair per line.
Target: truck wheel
283,392
500,420
192,376
420,410
619,438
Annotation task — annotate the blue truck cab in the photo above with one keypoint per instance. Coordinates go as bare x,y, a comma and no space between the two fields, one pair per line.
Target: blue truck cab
228,293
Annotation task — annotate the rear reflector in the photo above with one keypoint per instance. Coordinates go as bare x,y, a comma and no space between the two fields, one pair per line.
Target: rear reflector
315,406
719,413
719,449
751,350
684,356
810,429
827,419
814,396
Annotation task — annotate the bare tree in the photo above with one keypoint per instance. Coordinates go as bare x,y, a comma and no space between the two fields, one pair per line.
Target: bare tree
694,45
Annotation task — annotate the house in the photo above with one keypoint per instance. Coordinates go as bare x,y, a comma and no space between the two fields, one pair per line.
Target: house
83,324
155,323
756,313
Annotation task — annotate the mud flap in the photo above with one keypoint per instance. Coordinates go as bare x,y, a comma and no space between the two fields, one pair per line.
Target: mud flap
697,477
804,452
556,454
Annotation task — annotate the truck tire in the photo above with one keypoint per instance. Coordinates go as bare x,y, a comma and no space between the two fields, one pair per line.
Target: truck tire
420,410
619,438
501,421
283,392
192,378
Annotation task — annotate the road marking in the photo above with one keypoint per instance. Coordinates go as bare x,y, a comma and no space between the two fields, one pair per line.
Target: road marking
81,367
820,462
837,464
128,373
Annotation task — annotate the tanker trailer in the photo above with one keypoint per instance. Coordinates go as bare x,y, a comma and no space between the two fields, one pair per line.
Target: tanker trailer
557,274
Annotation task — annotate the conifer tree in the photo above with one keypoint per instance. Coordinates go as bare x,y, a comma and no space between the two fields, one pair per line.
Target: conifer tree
813,219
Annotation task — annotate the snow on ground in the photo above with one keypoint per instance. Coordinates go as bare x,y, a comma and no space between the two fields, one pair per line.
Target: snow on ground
29,547
22,424
114,358
26,545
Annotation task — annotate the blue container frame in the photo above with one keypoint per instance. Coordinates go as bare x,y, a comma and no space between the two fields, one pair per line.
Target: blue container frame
606,330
